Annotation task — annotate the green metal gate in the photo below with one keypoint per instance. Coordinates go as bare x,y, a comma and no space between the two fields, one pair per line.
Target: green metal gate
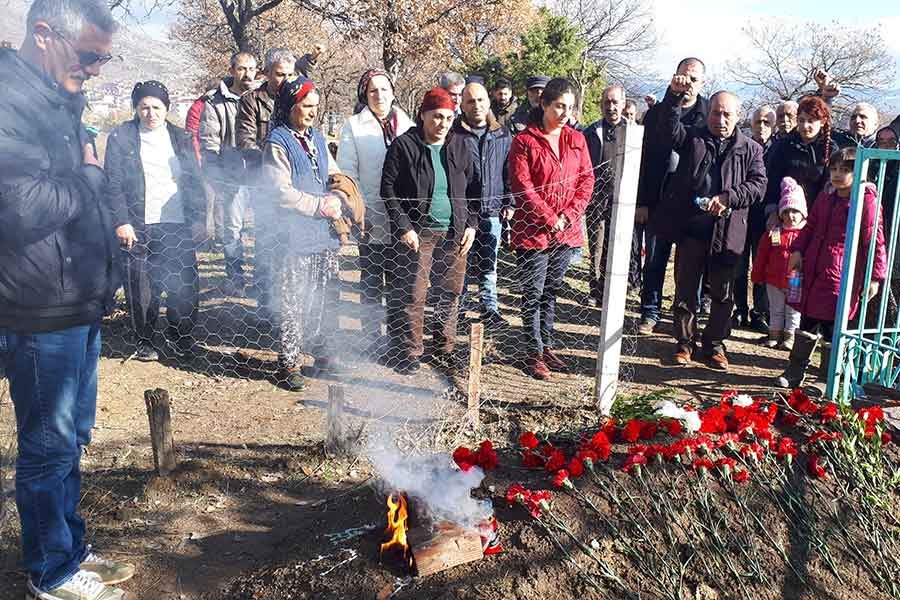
867,350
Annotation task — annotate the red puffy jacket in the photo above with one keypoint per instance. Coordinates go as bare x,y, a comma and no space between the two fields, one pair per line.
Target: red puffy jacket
192,122
821,243
771,262
546,187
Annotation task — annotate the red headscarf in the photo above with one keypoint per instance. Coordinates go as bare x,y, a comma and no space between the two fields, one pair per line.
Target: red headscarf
436,98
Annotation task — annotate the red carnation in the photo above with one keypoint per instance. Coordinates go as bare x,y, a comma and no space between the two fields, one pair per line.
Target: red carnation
529,440
637,449
728,439
576,467
486,456
561,479
702,464
726,464
556,461
516,493
823,436
632,431
465,458
656,451
886,438
787,448
790,419
713,420
815,467
633,463
741,476
828,412
601,445
871,415
727,397
673,426
609,429
752,451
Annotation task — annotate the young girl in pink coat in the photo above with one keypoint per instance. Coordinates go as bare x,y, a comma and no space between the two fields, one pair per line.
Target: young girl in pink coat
819,253
770,266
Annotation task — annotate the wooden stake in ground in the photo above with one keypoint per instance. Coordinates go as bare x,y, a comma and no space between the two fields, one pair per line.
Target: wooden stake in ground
160,416
335,430
476,347
447,546
618,260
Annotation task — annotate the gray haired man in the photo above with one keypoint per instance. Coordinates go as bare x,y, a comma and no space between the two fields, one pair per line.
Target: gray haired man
56,283
223,161
453,83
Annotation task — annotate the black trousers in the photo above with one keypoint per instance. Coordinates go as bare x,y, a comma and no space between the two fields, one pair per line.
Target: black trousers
163,260
375,264
741,286
691,260
598,224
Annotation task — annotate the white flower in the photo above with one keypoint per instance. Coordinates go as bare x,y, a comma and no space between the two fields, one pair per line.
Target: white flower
691,421
668,409
742,400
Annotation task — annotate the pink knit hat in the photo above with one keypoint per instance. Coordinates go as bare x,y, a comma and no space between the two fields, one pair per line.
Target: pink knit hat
792,197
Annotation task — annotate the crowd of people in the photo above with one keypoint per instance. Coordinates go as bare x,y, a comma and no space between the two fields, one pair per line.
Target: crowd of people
428,196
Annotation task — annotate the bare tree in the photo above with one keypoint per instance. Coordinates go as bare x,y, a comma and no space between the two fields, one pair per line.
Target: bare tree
618,36
785,59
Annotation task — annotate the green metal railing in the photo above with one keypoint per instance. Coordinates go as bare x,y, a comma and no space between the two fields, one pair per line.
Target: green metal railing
867,350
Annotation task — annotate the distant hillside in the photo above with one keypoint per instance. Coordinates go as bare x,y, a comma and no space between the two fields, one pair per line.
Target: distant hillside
138,56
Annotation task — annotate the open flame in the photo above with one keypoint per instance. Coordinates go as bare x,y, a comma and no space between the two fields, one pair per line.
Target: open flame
397,526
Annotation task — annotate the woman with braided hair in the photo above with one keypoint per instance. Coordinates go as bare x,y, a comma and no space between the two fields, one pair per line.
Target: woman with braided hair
296,164
801,154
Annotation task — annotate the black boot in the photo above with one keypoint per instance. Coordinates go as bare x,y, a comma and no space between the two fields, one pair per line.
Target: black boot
804,346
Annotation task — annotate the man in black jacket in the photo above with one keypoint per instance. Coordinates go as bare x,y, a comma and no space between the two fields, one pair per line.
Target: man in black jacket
658,160
602,138
56,282
489,143
719,164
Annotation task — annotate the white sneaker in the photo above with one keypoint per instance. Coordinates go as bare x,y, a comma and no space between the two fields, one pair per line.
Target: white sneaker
108,572
82,586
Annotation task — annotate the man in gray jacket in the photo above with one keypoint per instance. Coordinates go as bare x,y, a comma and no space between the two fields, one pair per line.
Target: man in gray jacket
223,161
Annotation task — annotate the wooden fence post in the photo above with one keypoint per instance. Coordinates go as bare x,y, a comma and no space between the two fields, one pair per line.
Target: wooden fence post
476,348
160,416
335,434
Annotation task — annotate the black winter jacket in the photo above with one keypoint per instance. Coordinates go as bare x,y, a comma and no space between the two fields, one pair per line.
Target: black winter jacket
790,157
489,154
742,177
56,245
407,183
657,156
125,191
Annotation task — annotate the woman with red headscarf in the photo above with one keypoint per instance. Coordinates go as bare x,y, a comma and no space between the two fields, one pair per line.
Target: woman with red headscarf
297,164
802,154
433,199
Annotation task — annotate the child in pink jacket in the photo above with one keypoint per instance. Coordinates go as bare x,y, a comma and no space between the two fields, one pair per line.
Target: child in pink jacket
771,264
819,252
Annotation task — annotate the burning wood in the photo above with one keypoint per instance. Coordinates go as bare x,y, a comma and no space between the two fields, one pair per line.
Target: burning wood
397,526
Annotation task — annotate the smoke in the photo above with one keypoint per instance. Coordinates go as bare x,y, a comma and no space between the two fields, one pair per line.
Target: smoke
433,480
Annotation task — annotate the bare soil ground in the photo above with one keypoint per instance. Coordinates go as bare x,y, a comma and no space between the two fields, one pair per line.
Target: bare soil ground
258,510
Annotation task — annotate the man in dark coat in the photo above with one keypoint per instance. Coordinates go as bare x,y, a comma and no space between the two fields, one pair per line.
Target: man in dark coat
602,139
503,103
718,163
489,143
534,87
658,160
56,283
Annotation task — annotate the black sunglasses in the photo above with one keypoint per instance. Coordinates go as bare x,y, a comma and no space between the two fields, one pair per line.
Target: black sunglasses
86,58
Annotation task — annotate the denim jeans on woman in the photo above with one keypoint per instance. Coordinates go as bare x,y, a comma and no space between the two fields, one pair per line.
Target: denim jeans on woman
53,384
541,273
482,262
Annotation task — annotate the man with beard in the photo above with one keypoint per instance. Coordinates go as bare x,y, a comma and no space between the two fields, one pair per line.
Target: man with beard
224,164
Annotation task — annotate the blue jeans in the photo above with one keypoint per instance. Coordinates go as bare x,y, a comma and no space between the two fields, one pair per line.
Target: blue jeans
53,384
658,252
541,273
236,206
482,262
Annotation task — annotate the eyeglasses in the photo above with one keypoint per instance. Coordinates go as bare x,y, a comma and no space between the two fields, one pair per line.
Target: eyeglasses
86,58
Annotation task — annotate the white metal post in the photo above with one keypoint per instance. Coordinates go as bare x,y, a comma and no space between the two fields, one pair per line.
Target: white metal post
626,171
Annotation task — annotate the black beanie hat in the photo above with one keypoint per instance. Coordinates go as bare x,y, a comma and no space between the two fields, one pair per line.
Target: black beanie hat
142,89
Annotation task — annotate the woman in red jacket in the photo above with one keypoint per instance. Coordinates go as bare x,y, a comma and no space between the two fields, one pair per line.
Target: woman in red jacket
552,178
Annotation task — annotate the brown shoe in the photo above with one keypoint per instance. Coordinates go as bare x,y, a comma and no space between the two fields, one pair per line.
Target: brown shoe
553,361
682,357
537,368
718,361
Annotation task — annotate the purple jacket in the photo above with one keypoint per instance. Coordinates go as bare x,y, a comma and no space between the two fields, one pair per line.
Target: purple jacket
822,244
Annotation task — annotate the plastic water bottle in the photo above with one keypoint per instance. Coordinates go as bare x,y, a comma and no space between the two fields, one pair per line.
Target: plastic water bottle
795,287
703,204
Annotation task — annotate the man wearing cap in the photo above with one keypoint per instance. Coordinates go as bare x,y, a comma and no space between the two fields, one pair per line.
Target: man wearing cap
56,282
535,86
